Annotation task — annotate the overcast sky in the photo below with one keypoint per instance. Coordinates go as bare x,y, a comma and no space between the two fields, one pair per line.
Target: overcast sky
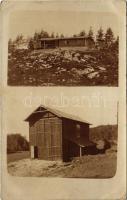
95,105
66,22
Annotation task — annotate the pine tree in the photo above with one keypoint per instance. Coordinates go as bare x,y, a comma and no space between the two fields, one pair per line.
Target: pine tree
43,34
90,34
82,33
62,36
52,35
100,34
31,44
36,36
57,35
74,35
100,38
109,37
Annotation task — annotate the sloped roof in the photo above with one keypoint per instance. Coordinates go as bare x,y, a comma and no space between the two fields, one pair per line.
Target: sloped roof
64,38
58,113
82,143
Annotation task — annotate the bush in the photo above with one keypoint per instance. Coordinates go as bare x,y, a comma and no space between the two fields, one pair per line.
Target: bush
16,142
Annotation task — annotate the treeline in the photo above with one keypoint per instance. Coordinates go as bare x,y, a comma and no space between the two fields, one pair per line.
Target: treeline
16,142
104,132
102,39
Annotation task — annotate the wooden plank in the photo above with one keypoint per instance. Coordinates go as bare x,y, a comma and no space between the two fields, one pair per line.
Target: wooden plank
32,151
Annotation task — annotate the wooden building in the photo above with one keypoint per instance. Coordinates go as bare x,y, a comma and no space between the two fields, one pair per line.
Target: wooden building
55,135
48,43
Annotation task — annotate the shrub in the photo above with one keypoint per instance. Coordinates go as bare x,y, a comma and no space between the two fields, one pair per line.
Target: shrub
16,142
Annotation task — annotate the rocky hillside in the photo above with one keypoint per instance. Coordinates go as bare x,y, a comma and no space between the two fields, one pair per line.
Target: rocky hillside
67,67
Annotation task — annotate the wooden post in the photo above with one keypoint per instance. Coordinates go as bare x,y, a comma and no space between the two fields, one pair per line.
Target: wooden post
44,44
80,151
84,41
32,151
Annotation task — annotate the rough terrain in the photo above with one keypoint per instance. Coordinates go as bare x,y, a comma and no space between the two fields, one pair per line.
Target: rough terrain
91,166
61,67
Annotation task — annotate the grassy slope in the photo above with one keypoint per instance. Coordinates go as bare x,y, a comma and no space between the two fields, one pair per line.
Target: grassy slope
97,166
17,156
108,132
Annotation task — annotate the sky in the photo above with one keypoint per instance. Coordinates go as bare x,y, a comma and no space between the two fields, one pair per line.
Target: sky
65,22
95,105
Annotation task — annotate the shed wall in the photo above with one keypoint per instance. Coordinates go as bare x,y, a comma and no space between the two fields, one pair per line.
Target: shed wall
46,135
72,42
45,44
70,134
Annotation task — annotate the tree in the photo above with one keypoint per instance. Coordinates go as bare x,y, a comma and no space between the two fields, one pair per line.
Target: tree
44,34
31,44
109,37
116,43
100,34
16,142
57,35
100,38
10,42
52,35
90,33
74,35
36,36
18,40
11,45
62,36
82,33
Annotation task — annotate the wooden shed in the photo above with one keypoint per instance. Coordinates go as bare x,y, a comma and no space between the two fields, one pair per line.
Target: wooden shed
48,43
55,135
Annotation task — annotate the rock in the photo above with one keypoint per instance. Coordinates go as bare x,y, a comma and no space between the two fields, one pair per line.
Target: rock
93,75
76,58
83,60
102,68
82,71
100,144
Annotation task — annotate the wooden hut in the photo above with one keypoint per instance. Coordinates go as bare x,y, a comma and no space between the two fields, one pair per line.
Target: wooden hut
55,135
48,43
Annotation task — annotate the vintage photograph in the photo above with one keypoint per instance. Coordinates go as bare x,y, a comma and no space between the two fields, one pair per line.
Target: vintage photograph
63,48
63,103
62,135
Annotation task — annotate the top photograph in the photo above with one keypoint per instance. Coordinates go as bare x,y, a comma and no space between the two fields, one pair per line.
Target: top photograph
63,48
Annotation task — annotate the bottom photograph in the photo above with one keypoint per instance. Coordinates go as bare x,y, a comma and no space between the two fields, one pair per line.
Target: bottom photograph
69,141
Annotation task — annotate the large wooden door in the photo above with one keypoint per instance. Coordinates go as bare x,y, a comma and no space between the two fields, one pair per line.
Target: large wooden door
56,138
40,131
49,138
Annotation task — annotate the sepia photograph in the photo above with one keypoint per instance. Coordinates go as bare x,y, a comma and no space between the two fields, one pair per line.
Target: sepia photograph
63,135
63,48
63,104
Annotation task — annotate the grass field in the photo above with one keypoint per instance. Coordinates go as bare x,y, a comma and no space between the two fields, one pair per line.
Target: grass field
91,166
17,156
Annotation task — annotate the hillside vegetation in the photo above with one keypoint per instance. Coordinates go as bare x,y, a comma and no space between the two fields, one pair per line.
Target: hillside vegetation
108,132
16,142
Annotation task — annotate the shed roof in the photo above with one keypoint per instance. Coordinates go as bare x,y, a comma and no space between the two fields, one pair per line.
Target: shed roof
82,143
56,112
64,38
